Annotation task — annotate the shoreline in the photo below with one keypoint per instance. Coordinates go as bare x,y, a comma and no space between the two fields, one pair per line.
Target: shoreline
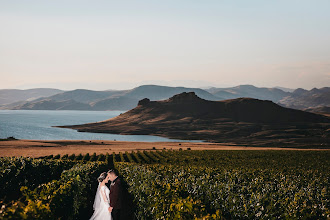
38,148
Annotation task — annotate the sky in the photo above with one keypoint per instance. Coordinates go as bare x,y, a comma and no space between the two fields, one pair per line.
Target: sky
122,44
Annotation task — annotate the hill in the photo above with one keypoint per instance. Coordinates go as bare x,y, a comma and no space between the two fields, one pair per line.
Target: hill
105,100
82,95
302,99
243,121
128,99
8,96
54,105
154,92
250,91
322,109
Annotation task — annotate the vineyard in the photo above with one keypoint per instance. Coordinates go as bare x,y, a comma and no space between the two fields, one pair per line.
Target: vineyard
171,184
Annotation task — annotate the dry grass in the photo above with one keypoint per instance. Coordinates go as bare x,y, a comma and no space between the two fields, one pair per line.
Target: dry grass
37,148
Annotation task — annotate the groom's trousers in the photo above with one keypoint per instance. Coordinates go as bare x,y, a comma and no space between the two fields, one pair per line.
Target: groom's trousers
115,214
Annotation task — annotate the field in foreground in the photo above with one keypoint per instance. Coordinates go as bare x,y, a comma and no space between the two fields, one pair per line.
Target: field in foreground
38,148
178,184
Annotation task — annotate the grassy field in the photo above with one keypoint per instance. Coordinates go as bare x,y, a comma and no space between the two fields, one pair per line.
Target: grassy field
173,184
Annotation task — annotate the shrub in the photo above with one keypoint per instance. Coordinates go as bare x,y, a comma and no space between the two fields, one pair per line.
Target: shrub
86,157
72,157
93,157
79,157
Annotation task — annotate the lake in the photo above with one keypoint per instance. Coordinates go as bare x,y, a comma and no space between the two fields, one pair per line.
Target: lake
37,125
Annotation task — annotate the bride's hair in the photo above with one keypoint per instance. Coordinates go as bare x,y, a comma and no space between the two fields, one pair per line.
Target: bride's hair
102,177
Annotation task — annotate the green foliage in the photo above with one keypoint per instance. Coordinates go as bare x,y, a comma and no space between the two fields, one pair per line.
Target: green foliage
129,157
86,157
137,158
152,157
114,157
72,157
93,157
101,157
49,157
122,159
16,172
161,158
108,159
144,157
79,157
173,184
69,197
231,185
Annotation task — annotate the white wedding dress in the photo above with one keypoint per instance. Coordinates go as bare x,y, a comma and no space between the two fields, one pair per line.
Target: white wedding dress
101,204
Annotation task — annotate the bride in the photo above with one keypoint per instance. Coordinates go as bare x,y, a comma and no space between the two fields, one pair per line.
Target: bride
102,201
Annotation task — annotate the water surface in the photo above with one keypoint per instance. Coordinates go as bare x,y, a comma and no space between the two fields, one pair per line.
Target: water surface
37,125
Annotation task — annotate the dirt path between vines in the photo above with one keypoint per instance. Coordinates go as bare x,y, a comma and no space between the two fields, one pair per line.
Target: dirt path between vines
37,148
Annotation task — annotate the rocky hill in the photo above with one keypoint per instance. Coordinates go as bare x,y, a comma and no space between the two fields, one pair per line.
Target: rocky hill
242,121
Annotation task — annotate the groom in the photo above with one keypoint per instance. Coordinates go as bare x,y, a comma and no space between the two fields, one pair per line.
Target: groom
115,195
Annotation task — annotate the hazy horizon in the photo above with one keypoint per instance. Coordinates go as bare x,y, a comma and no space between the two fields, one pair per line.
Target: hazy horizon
120,45
128,87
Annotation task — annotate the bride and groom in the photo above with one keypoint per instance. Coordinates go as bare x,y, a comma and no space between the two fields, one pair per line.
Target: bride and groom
107,203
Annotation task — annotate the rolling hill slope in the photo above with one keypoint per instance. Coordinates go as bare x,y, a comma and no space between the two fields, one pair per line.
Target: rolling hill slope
241,121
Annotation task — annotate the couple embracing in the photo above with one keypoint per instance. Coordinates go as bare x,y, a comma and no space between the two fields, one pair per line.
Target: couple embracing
108,202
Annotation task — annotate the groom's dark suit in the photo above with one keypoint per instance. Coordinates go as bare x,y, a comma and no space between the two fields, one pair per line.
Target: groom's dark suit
116,198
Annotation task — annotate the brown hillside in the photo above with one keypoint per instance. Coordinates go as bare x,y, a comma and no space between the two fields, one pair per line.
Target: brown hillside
242,121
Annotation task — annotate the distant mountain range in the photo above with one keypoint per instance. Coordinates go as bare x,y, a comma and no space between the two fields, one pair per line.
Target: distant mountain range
81,99
308,99
240,121
249,91
8,96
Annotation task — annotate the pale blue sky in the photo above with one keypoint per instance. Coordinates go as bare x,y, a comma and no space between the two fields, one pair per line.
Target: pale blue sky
121,44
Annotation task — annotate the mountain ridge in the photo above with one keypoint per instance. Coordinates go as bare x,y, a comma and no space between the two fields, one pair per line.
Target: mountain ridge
8,96
109,100
127,99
